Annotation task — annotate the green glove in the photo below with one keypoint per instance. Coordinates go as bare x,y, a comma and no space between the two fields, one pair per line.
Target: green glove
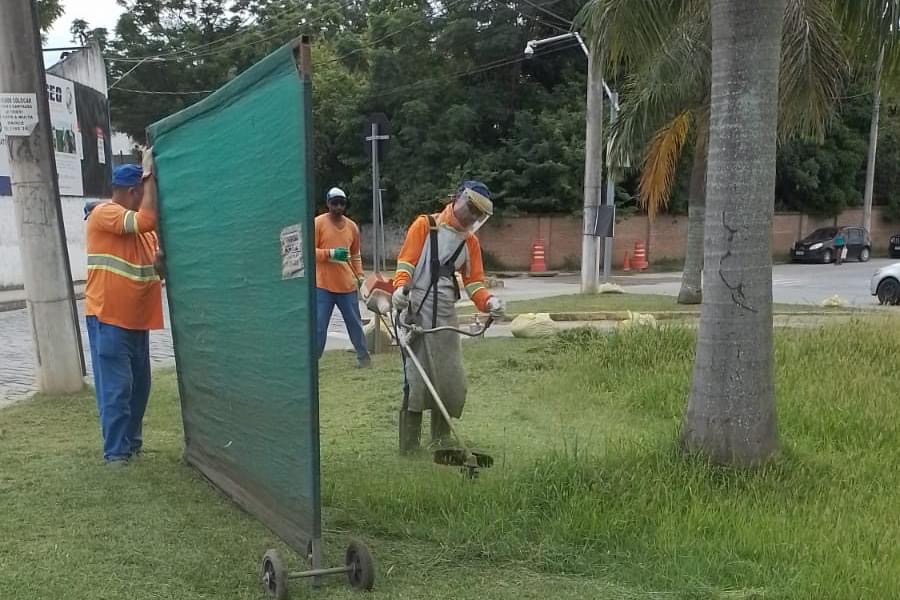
340,254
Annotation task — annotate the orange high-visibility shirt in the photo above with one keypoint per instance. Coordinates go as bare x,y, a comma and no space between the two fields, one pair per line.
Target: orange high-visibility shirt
123,288
414,245
337,276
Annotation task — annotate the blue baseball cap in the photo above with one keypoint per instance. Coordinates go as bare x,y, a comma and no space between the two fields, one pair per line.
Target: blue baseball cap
476,186
127,176
479,195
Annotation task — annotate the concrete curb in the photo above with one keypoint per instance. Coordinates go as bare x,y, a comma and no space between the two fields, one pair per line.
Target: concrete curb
20,304
672,315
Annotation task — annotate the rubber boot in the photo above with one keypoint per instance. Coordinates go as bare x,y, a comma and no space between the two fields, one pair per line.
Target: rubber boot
440,430
410,431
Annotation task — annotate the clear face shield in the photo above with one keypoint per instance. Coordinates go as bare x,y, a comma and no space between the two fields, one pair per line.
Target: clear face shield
472,210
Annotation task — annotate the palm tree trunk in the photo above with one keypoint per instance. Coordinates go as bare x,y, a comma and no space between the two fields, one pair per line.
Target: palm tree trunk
731,416
873,144
691,280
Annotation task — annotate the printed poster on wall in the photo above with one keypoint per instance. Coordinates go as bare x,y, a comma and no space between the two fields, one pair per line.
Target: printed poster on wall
66,136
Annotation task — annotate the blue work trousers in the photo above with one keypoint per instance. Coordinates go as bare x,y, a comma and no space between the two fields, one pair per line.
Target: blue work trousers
121,363
348,304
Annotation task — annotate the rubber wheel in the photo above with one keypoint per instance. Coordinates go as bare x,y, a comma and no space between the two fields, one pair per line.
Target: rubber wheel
826,258
889,292
362,567
274,575
864,255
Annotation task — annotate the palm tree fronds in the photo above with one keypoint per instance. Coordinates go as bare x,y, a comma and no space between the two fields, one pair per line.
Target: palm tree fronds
658,171
671,79
626,30
867,24
814,68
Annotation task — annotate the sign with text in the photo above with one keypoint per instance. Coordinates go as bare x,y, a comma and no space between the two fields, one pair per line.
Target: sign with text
18,114
79,136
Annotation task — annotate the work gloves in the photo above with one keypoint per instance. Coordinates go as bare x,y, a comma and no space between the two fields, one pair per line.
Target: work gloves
496,307
339,254
400,300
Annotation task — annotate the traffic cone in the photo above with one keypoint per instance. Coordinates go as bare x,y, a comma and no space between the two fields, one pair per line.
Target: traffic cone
538,264
626,264
640,256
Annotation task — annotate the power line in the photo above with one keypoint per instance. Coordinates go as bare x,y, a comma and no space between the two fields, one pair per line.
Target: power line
548,11
178,53
375,42
161,93
495,64
539,21
191,52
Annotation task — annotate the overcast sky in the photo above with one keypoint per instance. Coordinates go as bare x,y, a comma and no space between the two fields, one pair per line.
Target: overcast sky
99,13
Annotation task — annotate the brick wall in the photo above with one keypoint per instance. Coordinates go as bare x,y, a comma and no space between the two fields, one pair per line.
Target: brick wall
508,241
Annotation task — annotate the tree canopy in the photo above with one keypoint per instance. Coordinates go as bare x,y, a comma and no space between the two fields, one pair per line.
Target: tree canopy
462,99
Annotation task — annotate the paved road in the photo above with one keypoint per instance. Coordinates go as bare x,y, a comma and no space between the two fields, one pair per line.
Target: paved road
807,284
797,284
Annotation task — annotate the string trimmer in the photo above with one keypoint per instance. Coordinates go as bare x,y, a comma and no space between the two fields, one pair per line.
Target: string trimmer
469,461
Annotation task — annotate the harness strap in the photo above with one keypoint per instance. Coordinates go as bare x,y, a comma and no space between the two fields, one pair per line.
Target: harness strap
438,270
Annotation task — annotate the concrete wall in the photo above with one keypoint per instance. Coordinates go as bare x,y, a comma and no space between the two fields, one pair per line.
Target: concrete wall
85,66
508,242
10,260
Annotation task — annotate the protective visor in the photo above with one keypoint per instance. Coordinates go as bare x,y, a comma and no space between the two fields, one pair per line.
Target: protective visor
472,210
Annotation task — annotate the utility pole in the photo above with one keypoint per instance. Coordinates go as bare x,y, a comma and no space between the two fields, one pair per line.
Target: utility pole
610,187
593,167
873,144
25,114
593,176
375,139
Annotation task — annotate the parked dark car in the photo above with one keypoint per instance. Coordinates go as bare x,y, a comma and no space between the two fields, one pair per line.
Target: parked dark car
819,245
894,247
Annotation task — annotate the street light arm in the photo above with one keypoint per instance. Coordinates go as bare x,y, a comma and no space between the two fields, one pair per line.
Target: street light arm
532,45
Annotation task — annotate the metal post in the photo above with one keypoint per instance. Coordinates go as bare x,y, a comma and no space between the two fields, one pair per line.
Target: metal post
375,189
593,152
381,225
376,220
610,184
42,241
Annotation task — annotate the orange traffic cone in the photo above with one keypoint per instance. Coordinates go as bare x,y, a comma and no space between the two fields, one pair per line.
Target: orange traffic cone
538,264
626,264
640,256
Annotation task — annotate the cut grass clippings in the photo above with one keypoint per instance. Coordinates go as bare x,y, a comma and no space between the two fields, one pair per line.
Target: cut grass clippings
589,496
580,303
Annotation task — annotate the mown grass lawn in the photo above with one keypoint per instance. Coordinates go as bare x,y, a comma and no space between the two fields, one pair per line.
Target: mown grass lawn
589,496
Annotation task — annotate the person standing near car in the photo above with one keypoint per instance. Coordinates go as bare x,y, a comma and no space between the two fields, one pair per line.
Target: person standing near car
840,246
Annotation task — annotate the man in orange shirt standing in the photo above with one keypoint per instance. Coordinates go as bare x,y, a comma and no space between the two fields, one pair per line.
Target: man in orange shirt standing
123,303
339,273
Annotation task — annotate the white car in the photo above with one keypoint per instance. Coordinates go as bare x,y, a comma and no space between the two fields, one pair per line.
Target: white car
886,284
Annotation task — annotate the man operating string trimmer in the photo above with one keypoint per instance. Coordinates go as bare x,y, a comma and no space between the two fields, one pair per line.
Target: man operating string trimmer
436,247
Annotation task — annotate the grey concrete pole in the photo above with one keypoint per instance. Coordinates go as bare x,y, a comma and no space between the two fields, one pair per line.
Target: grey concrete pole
42,240
610,186
593,152
873,145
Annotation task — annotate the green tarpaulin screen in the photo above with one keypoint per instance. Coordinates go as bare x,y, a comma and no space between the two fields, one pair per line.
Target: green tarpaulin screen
236,225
